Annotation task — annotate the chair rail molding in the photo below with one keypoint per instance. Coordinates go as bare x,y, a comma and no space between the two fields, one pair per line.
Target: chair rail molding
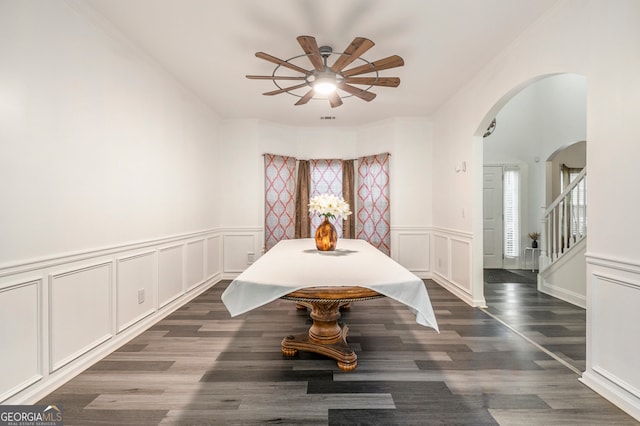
22,266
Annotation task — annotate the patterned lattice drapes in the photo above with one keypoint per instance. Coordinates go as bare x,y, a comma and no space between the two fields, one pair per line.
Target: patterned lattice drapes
326,178
371,212
279,185
373,218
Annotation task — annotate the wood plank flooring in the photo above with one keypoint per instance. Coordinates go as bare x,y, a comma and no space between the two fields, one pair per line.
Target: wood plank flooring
199,366
557,326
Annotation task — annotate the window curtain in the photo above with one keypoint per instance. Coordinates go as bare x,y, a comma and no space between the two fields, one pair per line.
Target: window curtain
280,181
347,193
302,222
287,195
373,216
326,178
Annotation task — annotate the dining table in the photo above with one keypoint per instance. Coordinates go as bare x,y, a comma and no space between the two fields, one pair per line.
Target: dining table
324,282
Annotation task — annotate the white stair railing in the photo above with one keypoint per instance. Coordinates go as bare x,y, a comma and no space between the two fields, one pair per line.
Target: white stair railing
565,220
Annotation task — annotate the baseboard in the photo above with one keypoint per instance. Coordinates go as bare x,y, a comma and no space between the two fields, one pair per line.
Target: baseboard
423,275
562,294
608,390
454,289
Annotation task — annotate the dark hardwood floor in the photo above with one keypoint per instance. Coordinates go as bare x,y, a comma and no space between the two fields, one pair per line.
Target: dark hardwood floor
557,326
199,366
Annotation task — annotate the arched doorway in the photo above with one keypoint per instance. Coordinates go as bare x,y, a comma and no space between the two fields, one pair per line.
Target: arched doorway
532,122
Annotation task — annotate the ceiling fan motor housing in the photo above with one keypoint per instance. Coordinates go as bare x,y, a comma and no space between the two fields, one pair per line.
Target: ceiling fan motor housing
325,51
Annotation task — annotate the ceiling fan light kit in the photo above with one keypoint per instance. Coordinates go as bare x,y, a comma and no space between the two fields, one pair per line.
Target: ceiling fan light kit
324,82
329,81
324,86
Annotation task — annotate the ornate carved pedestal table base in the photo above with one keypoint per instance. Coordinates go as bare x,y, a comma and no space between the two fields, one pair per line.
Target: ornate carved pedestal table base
326,336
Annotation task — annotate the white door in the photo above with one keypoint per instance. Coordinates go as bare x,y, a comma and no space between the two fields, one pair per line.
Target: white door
492,216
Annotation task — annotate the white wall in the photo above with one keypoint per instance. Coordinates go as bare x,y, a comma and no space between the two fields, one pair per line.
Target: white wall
409,142
109,178
600,40
102,146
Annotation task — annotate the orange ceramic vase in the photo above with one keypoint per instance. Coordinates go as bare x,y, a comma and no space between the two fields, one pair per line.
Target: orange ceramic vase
326,236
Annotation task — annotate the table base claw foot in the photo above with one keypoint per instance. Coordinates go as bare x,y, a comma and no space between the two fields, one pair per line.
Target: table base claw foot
347,366
339,350
289,351
326,337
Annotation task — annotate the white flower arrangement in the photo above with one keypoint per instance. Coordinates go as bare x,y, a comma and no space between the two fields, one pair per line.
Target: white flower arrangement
328,205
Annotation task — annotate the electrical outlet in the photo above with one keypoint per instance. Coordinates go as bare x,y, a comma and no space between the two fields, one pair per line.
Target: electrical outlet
250,257
141,296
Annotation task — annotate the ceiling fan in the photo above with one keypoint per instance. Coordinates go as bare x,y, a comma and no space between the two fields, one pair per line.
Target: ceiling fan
325,80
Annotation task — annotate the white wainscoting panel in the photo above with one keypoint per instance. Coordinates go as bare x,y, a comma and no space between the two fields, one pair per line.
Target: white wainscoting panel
566,278
214,255
452,262
170,273
613,346
67,311
236,249
80,314
441,255
194,272
413,250
615,338
20,336
461,264
135,275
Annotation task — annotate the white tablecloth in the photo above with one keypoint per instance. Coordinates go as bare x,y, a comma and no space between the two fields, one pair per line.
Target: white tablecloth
295,264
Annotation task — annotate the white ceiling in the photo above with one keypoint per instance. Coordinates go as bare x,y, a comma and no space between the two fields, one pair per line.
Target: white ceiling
210,45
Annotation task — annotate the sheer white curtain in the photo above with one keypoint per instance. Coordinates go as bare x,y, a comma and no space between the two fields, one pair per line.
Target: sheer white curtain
326,178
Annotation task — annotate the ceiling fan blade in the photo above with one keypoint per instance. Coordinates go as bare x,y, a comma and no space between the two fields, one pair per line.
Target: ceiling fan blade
382,64
273,77
310,47
285,89
278,61
357,92
307,96
357,48
373,81
334,100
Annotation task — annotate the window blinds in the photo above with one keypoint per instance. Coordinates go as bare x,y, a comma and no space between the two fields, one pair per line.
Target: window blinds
511,212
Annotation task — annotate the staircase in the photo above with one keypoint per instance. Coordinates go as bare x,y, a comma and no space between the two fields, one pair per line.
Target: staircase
563,245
